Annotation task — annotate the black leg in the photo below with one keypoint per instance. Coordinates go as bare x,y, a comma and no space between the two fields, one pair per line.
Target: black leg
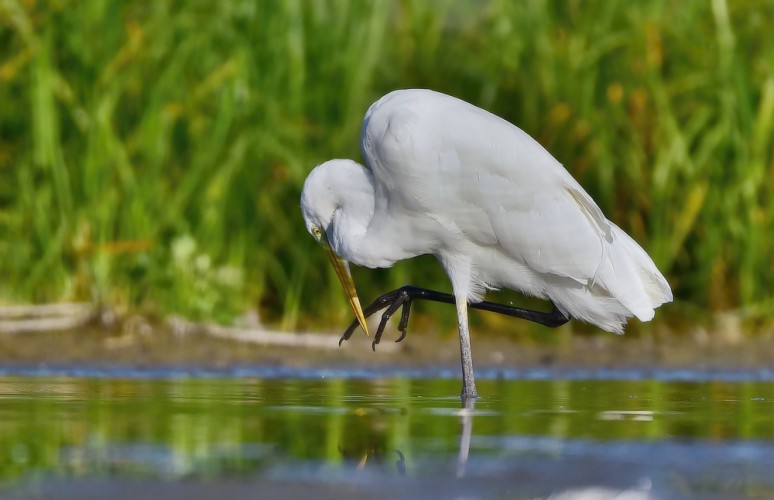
402,297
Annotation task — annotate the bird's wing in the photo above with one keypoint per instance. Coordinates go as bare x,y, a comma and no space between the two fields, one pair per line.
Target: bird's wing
478,174
552,231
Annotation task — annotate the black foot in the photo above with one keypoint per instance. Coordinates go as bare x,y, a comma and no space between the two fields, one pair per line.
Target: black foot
393,300
402,297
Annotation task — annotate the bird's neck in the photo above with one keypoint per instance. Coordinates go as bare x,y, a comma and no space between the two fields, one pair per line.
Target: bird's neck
355,199
373,236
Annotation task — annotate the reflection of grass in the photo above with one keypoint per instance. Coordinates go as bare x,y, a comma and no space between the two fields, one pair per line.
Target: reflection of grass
192,429
128,128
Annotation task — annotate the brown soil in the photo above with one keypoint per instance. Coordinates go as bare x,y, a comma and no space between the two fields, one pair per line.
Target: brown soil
142,345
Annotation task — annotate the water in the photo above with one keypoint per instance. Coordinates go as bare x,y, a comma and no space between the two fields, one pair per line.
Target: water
155,434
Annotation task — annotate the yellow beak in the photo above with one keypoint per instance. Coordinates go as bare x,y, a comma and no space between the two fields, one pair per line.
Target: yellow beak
342,270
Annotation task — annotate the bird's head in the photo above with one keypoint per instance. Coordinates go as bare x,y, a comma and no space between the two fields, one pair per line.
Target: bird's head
319,204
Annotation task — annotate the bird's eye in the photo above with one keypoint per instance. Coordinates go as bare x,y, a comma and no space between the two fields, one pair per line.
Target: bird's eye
317,233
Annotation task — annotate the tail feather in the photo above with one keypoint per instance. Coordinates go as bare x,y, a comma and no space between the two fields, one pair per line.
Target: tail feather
590,304
653,282
627,284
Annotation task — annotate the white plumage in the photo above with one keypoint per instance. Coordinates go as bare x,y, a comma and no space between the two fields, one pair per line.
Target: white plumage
498,211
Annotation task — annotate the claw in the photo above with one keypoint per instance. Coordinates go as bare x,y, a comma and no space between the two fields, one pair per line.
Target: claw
350,330
404,317
392,301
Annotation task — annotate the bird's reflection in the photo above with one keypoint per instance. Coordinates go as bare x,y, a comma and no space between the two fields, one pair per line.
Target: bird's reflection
373,455
466,430
373,452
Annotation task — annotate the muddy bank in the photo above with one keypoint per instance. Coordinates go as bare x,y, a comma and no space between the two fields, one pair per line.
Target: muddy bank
138,343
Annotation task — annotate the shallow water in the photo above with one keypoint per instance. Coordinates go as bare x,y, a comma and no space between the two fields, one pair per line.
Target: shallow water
260,433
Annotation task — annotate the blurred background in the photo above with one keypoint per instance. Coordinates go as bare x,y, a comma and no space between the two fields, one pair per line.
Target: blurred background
152,154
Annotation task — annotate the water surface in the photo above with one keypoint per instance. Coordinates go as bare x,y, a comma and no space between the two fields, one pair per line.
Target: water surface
125,435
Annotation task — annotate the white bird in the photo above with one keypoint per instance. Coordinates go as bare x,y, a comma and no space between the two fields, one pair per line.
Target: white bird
449,179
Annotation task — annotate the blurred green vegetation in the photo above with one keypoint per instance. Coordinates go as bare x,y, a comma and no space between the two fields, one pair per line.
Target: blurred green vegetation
152,153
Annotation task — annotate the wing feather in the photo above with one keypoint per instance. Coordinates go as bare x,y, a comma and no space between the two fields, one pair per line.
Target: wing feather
481,176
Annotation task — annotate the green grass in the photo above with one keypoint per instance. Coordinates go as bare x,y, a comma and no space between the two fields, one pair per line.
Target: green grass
152,153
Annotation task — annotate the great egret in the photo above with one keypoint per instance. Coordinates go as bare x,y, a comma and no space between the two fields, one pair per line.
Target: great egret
449,179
